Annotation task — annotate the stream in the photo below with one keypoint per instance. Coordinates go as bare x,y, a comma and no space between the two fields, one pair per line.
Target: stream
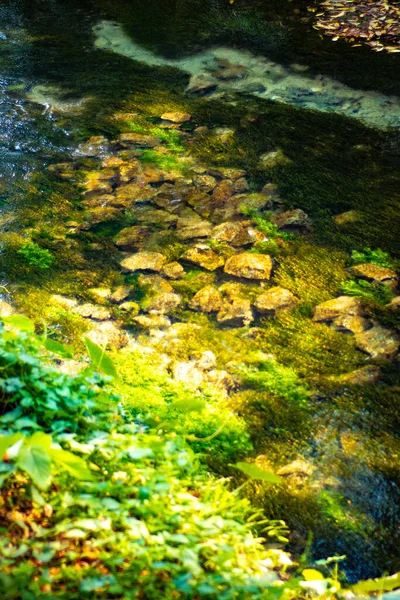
270,117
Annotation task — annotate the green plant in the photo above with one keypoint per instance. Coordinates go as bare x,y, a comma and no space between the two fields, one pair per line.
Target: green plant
376,257
36,256
377,292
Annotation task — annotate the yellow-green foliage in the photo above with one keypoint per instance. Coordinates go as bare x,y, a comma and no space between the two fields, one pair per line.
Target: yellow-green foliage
313,273
312,348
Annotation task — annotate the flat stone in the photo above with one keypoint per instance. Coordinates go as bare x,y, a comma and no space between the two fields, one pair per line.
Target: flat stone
365,376
227,173
120,293
163,303
201,84
348,217
292,219
206,182
97,145
152,321
207,300
143,261
240,186
380,343
249,266
132,237
188,372
173,270
351,324
176,117
134,193
154,284
92,311
112,162
108,334
103,214
139,140
337,307
161,217
193,228
274,300
128,171
375,273
222,193
237,233
235,312
203,256
269,160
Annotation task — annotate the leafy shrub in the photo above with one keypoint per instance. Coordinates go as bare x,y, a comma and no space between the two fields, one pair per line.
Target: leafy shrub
137,518
377,292
36,256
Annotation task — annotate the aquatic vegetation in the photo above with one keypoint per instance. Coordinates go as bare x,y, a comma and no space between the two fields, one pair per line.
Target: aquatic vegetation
377,292
36,256
376,257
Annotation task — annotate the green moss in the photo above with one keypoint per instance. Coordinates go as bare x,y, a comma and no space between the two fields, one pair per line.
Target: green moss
313,273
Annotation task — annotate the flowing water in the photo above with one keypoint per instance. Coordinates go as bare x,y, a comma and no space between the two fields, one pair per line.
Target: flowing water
258,80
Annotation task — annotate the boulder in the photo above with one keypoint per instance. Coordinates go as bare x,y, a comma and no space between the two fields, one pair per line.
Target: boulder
380,343
274,300
337,307
249,266
140,140
292,219
143,261
207,300
351,324
376,274
202,256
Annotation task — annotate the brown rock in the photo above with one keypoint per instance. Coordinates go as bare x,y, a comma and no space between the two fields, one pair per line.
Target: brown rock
139,140
97,186
338,307
222,192
206,182
132,237
120,293
97,145
161,217
201,84
162,304
365,376
154,284
351,324
249,266
207,300
226,173
108,334
271,190
240,186
394,304
128,171
173,270
112,162
190,228
103,214
237,233
176,117
152,321
236,311
143,261
203,256
375,273
274,300
134,193
269,160
92,311
292,219
348,217
380,343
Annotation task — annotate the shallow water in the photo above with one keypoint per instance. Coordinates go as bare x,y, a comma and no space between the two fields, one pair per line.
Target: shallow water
63,78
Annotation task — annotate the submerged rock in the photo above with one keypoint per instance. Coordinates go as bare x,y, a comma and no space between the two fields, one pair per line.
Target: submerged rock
337,307
249,266
93,311
120,293
274,300
97,145
237,233
207,300
191,228
204,257
103,214
173,270
351,324
132,237
375,273
365,376
380,343
188,372
163,303
235,311
273,159
108,334
292,219
143,261
176,117
348,217
152,321
140,140
201,84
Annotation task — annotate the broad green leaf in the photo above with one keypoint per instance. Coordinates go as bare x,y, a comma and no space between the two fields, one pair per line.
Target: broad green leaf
383,584
71,463
9,336
312,575
35,461
37,496
25,423
100,358
56,347
254,472
20,322
40,439
6,441
189,405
